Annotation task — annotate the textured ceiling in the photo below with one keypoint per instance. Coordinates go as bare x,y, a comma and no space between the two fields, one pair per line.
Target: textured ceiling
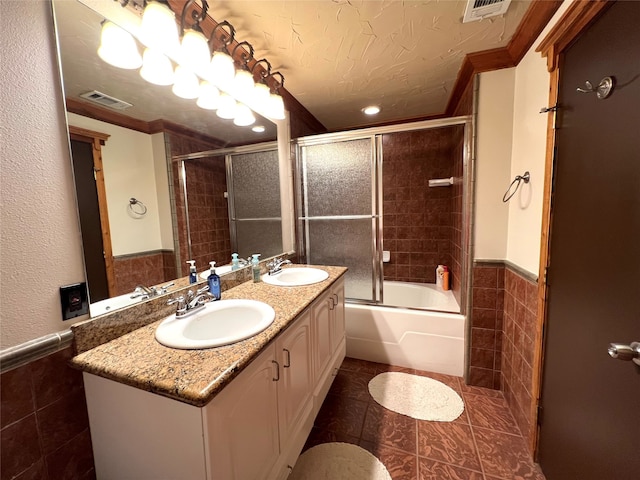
337,57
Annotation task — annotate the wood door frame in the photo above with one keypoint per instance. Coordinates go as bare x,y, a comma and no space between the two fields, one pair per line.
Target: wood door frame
97,139
576,19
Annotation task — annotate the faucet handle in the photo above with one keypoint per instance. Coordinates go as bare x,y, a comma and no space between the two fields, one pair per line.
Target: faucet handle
181,304
165,288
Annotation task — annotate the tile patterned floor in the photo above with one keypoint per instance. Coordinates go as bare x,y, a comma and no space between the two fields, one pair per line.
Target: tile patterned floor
484,443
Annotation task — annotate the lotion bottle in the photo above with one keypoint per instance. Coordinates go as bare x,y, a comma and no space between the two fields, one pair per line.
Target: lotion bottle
255,267
213,281
193,275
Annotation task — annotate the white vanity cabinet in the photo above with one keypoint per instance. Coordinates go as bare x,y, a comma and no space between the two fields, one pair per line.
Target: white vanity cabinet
254,429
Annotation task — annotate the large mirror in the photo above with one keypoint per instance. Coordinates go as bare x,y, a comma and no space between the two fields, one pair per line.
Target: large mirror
149,199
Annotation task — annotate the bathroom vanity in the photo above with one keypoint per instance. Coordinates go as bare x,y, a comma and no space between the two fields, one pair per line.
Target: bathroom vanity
237,412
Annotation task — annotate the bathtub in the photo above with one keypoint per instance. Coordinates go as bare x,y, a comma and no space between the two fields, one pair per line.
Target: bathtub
399,333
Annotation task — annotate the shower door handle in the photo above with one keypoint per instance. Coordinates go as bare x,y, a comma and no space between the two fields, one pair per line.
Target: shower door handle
625,352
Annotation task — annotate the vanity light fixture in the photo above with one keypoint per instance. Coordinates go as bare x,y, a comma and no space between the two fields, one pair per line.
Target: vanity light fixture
371,110
201,65
156,67
118,47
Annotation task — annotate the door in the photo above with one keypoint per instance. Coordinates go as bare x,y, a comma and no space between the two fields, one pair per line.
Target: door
93,246
591,402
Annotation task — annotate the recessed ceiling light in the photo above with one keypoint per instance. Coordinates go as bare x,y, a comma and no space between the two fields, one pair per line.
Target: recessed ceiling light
371,110
258,129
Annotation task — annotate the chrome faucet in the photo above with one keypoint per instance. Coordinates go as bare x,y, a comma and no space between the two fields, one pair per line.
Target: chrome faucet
275,266
149,292
192,302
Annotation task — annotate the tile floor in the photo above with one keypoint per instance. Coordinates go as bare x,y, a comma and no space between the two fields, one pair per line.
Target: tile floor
484,443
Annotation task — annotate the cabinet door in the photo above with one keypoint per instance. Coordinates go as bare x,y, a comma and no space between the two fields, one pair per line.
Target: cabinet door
337,315
321,335
242,423
296,376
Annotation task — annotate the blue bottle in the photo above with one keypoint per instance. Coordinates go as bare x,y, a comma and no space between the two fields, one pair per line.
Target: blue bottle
214,282
193,274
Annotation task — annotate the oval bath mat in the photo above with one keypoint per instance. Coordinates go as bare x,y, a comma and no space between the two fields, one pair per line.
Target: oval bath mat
415,396
338,461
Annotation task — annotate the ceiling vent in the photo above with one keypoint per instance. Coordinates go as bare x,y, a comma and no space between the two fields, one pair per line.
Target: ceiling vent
479,9
105,100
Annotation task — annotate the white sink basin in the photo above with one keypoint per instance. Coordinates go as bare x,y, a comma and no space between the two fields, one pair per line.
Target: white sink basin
296,276
220,323
219,270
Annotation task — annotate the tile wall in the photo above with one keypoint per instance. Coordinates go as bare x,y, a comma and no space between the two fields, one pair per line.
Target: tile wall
150,268
417,222
44,422
518,345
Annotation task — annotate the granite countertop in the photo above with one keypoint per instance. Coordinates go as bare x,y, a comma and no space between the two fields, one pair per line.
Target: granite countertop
196,376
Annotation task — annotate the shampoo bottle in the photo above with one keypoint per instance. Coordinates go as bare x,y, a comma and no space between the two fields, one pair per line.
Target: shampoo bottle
235,263
440,277
255,267
446,279
214,282
193,275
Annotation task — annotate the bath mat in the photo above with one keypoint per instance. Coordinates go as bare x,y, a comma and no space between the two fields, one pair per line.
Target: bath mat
338,461
417,397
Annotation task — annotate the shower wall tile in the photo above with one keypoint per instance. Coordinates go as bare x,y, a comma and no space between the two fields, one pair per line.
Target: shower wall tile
418,220
45,426
518,344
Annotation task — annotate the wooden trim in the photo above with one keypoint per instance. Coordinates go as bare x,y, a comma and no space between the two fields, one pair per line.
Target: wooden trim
535,19
90,134
165,126
579,15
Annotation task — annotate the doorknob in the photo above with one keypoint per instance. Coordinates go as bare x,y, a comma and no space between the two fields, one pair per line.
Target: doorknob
625,352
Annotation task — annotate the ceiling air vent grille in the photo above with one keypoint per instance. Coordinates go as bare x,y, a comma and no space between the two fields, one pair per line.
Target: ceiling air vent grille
106,100
479,9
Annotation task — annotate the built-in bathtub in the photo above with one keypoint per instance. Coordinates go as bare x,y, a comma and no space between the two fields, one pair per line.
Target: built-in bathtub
419,327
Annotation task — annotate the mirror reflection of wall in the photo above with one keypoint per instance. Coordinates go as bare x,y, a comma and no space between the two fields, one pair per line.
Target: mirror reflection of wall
136,147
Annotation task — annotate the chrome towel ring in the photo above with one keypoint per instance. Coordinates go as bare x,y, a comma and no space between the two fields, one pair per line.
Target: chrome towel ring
137,207
519,178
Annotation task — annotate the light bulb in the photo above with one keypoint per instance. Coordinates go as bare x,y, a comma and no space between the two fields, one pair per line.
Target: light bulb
275,110
194,52
260,96
244,116
156,68
209,97
185,83
243,85
158,28
118,48
221,71
258,129
227,107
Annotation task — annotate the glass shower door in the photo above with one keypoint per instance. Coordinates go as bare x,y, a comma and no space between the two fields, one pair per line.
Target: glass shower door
254,203
338,219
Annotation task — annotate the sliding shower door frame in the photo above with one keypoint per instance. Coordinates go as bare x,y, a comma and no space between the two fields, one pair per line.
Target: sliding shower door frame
375,134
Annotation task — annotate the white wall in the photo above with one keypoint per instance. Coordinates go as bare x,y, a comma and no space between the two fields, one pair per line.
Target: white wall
40,243
529,154
493,159
162,190
130,171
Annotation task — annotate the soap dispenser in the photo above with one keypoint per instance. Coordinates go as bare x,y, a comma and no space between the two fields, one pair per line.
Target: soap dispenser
255,267
235,263
193,274
214,282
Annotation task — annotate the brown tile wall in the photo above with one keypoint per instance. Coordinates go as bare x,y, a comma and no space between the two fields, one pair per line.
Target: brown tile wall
486,325
418,220
208,213
143,269
44,422
182,145
519,334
